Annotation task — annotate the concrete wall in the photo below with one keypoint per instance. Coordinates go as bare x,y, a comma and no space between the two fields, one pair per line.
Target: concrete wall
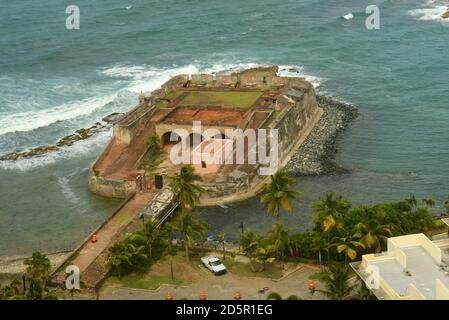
126,129
413,240
294,120
110,188
442,292
414,293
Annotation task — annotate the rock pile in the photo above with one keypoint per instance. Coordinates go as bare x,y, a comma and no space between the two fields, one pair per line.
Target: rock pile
316,156
80,134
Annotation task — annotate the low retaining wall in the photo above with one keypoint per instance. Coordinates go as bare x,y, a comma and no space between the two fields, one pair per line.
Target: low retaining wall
109,187
58,275
126,129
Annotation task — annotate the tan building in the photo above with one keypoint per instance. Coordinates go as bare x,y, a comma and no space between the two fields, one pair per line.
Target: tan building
413,268
210,154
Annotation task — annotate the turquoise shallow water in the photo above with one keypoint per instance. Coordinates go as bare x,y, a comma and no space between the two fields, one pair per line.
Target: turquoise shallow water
54,81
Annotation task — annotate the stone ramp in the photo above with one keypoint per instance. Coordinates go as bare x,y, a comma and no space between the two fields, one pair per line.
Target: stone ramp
91,257
109,233
120,160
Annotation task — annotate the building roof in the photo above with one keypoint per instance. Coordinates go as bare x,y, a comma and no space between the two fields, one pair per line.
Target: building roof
412,268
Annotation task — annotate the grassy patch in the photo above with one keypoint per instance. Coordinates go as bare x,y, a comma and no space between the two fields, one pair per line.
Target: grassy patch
225,99
271,271
169,96
144,281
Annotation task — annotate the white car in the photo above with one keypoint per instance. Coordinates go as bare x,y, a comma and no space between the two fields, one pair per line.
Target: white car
213,264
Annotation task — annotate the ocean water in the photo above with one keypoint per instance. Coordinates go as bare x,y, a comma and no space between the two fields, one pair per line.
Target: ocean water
54,81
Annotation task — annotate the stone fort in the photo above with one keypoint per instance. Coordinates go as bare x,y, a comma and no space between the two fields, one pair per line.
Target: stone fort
251,99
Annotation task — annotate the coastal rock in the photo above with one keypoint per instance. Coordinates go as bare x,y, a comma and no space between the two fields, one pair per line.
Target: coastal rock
316,154
113,117
80,134
445,15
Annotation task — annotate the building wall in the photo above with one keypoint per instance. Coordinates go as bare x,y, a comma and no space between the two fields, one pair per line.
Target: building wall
294,120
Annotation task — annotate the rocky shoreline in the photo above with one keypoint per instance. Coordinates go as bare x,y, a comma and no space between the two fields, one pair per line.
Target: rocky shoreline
316,156
80,134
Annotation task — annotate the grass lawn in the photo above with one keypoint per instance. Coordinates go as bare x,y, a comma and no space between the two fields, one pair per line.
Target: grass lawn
160,273
144,281
170,96
228,99
271,271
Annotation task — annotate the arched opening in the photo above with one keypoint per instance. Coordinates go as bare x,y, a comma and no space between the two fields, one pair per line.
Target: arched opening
220,136
195,139
170,138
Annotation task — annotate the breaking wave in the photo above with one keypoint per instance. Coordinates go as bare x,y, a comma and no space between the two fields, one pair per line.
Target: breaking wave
136,79
432,13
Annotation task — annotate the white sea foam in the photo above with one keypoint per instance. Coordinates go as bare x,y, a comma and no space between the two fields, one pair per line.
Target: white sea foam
298,71
148,78
64,183
79,149
143,79
430,14
30,120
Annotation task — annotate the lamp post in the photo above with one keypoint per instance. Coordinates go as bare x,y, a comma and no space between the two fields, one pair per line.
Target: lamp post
24,283
241,228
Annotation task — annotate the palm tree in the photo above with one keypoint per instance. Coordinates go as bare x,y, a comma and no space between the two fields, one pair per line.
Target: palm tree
336,283
348,245
373,235
15,284
320,244
153,141
363,293
37,271
428,203
265,254
328,212
280,239
189,228
446,204
150,234
280,193
221,239
249,242
124,256
412,202
184,188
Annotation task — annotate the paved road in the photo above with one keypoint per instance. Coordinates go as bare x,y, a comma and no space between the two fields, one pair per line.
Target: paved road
223,287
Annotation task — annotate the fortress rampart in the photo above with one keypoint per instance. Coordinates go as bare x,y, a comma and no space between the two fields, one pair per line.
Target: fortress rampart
286,104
